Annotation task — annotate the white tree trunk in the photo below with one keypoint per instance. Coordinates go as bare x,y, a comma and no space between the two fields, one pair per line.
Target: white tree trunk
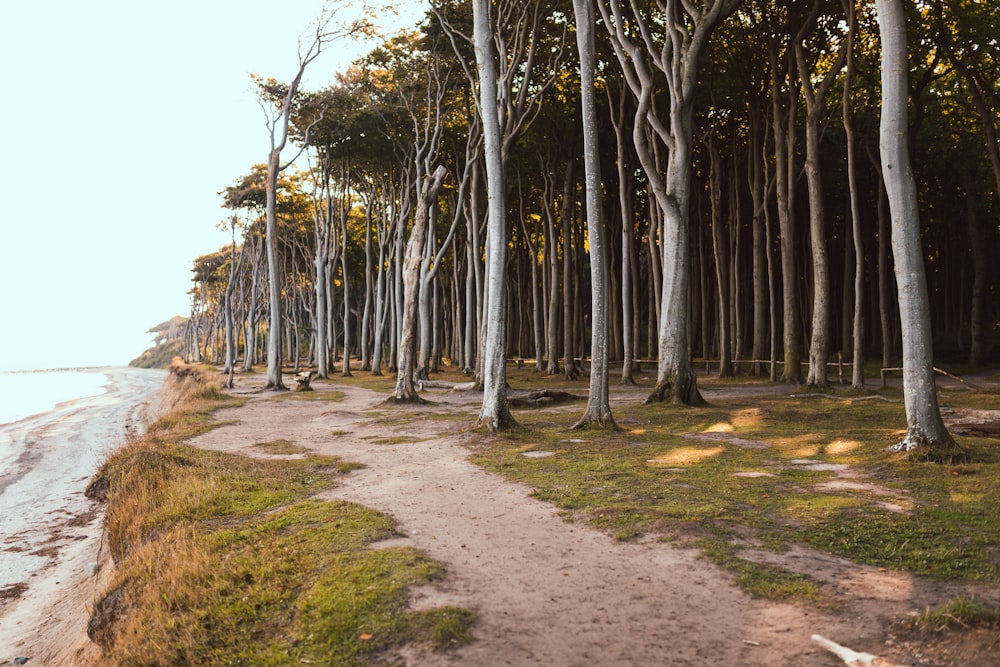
405,389
598,406
495,413
924,428
274,323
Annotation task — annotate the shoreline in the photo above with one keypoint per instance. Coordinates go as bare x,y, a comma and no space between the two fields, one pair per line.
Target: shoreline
58,540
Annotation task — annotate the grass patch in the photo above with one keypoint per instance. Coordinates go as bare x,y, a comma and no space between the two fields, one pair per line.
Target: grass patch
771,465
397,440
226,559
761,580
280,447
963,611
333,395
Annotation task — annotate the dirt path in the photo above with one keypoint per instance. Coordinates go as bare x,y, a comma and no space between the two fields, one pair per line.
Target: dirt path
547,591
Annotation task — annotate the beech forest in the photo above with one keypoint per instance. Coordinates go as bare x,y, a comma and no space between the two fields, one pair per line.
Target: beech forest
592,187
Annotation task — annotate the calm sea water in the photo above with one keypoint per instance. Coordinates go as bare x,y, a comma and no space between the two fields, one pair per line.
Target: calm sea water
26,393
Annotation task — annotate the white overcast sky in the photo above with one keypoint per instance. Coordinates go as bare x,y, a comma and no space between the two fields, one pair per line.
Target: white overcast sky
121,122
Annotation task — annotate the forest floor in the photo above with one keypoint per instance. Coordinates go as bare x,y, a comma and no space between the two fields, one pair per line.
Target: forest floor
548,587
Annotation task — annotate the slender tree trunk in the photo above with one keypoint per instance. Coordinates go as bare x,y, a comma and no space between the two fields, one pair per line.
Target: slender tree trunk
857,344
228,305
815,100
626,202
720,250
760,268
598,406
405,389
979,260
321,231
552,258
381,303
570,370
885,297
786,227
924,427
346,284
366,317
471,321
425,293
274,325
495,413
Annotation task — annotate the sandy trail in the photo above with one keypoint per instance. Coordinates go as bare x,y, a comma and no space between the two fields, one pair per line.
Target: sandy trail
550,592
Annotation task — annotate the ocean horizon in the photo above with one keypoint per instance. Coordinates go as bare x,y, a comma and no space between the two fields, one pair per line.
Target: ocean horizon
25,393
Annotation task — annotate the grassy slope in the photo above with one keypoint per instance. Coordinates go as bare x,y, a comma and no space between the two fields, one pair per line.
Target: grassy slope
225,559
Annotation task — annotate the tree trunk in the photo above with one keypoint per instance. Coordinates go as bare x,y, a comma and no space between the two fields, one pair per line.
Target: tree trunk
760,267
786,228
598,406
495,413
381,306
346,283
570,370
366,316
552,259
626,202
274,324
857,343
720,250
979,260
815,99
405,390
925,430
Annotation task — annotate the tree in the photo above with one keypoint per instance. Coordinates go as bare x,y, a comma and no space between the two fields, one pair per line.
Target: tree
678,59
230,366
495,413
815,99
924,428
857,362
278,121
598,407
405,390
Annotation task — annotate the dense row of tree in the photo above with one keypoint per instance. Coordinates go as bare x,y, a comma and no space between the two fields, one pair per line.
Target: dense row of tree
679,180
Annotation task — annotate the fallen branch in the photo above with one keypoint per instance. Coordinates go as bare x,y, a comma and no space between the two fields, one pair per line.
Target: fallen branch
851,657
441,384
849,399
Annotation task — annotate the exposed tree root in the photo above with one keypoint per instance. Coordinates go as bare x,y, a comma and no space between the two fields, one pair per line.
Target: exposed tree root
599,419
681,389
921,447
397,399
544,398
499,423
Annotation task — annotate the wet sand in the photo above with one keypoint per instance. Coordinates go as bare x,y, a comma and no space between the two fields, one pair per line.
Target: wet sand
50,533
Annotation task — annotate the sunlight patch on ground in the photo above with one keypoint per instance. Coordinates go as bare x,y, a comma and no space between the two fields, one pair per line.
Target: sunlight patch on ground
683,456
798,447
838,447
959,497
720,427
747,419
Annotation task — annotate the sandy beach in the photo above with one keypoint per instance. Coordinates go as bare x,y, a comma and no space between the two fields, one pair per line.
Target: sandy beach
50,533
